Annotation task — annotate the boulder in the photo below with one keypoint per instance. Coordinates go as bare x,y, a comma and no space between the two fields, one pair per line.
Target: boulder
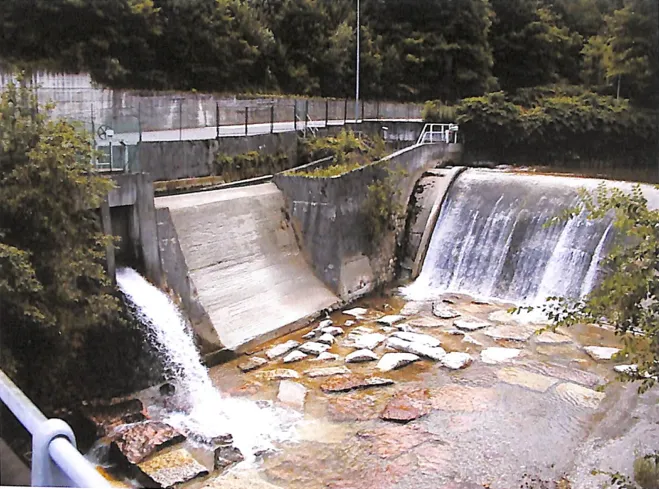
393,361
434,353
368,341
361,356
282,349
600,353
391,319
295,356
407,405
292,393
227,456
175,467
357,312
139,440
496,355
278,374
327,357
333,330
423,339
106,417
444,312
327,372
470,324
252,363
326,339
347,383
456,360
313,348
167,389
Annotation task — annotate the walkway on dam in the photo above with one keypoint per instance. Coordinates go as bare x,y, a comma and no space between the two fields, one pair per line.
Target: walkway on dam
244,261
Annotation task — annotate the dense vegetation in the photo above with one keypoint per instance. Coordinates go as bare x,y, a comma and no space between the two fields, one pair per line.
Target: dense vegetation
411,49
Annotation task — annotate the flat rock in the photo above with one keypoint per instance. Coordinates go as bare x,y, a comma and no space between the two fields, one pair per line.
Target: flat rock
369,341
108,416
361,356
282,349
346,383
391,441
511,332
404,327
139,440
462,398
333,330
279,374
426,322
310,335
388,329
496,355
551,338
327,357
227,456
570,374
407,405
579,395
354,406
470,324
626,369
292,393
423,339
467,338
524,378
174,467
326,372
349,323
443,311
325,323
391,319
313,348
326,339
600,353
252,363
456,360
295,356
481,302
435,353
412,308
357,312
361,330
393,361
454,332
508,317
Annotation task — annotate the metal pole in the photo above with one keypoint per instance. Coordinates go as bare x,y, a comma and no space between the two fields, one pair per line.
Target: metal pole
295,115
180,120
306,115
326,113
217,120
272,119
246,119
357,77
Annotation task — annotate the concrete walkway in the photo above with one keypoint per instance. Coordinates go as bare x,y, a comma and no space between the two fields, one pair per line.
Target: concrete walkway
245,262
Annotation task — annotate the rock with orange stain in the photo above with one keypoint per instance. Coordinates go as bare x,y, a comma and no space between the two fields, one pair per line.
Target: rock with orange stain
246,389
407,405
463,398
357,406
391,441
138,441
346,383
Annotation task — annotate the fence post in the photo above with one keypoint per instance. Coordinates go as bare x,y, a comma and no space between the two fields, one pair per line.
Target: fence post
345,112
272,119
246,119
378,109
217,120
306,116
295,115
326,112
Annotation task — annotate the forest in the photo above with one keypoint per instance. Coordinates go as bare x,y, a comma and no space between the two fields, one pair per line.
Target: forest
411,50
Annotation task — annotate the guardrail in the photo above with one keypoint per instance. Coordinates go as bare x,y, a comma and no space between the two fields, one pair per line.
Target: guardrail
438,133
56,462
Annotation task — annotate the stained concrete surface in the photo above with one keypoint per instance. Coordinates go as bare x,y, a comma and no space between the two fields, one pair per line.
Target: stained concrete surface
243,259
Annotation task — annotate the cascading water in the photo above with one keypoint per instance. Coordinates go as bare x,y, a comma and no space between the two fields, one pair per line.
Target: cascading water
210,414
492,240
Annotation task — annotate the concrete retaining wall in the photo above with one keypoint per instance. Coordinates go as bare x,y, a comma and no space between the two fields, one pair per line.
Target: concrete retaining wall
327,216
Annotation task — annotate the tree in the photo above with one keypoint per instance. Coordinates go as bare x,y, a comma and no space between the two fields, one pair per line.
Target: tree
53,285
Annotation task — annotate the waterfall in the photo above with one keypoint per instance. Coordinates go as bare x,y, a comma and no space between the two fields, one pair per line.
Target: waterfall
209,413
493,240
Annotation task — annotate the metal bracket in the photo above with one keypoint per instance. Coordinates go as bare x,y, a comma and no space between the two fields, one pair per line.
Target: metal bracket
45,473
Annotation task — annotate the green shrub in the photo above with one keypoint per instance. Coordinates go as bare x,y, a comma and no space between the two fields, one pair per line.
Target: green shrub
382,206
437,111
646,472
249,165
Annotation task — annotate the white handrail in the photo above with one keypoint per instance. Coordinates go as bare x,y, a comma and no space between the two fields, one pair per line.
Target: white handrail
438,133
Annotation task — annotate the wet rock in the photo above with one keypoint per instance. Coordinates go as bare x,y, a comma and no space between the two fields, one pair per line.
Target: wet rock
361,356
471,324
313,348
517,332
434,353
252,363
426,322
388,329
369,341
247,389
310,335
356,406
214,442
391,441
496,355
391,319
292,393
333,330
351,382
327,372
361,330
551,338
444,312
282,349
227,456
138,441
423,339
575,375
172,468
278,374
407,405
167,389
349,323
456,360
600,353
508,317
327,357
106,417
393,361
295,356
326,339
461,398
524,378
357,312
326,323
579,396
412,308
471,340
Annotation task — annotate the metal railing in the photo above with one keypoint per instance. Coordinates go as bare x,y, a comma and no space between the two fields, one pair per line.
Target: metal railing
438,133
56,462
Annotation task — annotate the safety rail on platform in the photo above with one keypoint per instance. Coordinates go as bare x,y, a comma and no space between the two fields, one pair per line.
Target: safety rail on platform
438,133
56,462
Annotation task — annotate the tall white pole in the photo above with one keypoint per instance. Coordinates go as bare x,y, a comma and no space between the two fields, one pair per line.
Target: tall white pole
357,82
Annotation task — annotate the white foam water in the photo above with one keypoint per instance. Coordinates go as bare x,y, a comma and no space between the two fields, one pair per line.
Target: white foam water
254,427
